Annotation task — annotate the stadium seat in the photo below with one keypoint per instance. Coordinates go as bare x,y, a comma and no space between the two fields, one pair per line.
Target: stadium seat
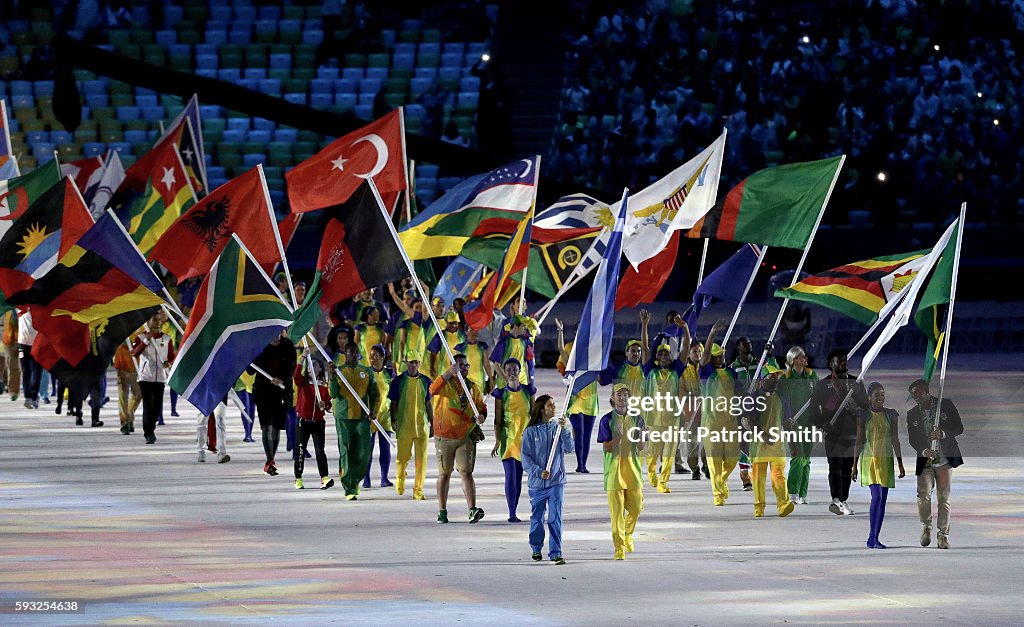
125,113
257,137
318,101
469,84
251,160
419,85
377,60
454,48
364,112
289,135
451,60
431,35
93,149
256,73
345,102
312,37
352,73
97,100
233,136
270,86
281,61
330,73
300,99
370,85
232,74
135,137
206,61
153,113
425,72
321,86
427,170
346,86
366,99
263,124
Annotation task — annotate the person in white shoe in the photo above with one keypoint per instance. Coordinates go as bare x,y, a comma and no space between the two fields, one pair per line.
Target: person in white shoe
839,426
934,465
202,425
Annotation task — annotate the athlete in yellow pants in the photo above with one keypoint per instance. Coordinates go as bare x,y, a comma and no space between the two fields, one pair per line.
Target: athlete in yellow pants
623,474
411,416
718,384
662,379
769,452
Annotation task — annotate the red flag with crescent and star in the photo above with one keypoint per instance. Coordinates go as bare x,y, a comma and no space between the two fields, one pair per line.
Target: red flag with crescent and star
329,177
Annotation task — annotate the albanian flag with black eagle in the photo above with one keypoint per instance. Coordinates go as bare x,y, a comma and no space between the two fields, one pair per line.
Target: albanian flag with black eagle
358,252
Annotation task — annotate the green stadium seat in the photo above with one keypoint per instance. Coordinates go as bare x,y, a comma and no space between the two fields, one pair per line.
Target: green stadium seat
122,100
117,38
190,37
141,37
378,60
355,60
432,35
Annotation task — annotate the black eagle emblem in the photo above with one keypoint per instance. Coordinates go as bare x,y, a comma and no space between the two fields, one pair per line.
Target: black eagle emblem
211,222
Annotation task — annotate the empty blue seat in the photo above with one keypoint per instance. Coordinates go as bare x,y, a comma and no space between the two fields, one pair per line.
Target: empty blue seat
330,73
377,72
281,61
214,172
468,99
411,24
364,112
97,100
346,86
270,86
43,89
451,60
180,50
206,73
388,37
215,37
270,12
291,26
37,137
205,49
239,36
93,149
366,98
263,124
266,26
414,111
430,48
300,99
237,124
249,83
450,74
122,148
207,61
369,85
134,137
229,74
426,196
260,136
94,87
425,72
286,135
128,113
210,112
453,48
23,102
404,61
250,161
173,14
147,100
319,100
469,83
257,73
354,73
419,85
427,170
312,37
233,136
245,12
153,113
321,86
345,101
405,48
476,48
221,13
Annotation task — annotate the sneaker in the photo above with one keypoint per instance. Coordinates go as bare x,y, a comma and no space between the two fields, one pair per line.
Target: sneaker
384,483
514,519
584,471
442,516
28,404
619,554
400,486
14,397
223,459
131,427
787,509
174,414
559,561
629,543
537,556
663,488
272,470
266,469
475,514
326,483
803,500
846,509
719,501
794,498
202,457
747,487
351,497
418,496
151,439
681,469
248,439
57,410
707,473
943,542
298,484
160,422
696,475
926,536
835,508
46,401
124,429
79,422
97,423
758,513
367,484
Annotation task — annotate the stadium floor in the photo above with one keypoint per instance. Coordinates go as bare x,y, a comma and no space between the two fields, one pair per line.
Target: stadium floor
140,533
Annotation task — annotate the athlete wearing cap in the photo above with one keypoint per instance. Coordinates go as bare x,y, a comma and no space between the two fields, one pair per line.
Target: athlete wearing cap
623,474
663,377
718,383
411,416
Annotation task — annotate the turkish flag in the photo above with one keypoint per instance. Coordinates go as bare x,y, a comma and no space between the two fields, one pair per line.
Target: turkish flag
643,285
329,177
192,244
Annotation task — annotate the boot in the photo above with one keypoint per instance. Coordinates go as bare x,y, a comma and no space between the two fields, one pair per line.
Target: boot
96,422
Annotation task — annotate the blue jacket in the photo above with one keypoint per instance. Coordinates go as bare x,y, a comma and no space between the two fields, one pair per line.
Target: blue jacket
537,441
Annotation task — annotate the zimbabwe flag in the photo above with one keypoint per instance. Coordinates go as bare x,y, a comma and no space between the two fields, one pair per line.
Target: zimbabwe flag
775,207
358,252
862,289
155,191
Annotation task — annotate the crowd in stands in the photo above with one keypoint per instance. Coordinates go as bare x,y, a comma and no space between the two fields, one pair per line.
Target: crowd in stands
922,96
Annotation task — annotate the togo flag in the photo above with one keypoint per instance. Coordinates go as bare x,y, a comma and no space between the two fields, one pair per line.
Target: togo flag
237,313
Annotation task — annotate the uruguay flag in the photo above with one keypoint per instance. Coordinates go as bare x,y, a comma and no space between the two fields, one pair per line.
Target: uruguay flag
590,350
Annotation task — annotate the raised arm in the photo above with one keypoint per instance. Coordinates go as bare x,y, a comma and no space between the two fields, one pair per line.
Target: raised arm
705,357
645,337
684,346
399,301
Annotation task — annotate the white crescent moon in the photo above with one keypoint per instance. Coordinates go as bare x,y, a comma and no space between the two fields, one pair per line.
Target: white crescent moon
529,164
382,154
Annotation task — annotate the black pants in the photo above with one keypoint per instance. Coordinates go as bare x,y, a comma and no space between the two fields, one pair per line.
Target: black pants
309,428
152,401
31,372
840,474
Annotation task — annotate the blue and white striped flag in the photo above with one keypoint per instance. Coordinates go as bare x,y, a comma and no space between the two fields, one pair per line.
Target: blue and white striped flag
590,350
575,211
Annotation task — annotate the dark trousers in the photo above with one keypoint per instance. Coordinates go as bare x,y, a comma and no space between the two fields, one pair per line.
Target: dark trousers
840,473
582,429
152,401
31,371
314,428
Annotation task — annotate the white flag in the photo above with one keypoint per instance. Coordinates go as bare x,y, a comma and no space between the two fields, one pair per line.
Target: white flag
901,314
675,202
113,175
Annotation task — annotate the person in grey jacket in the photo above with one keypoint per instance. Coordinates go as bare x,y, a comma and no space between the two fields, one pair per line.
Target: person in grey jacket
546,487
